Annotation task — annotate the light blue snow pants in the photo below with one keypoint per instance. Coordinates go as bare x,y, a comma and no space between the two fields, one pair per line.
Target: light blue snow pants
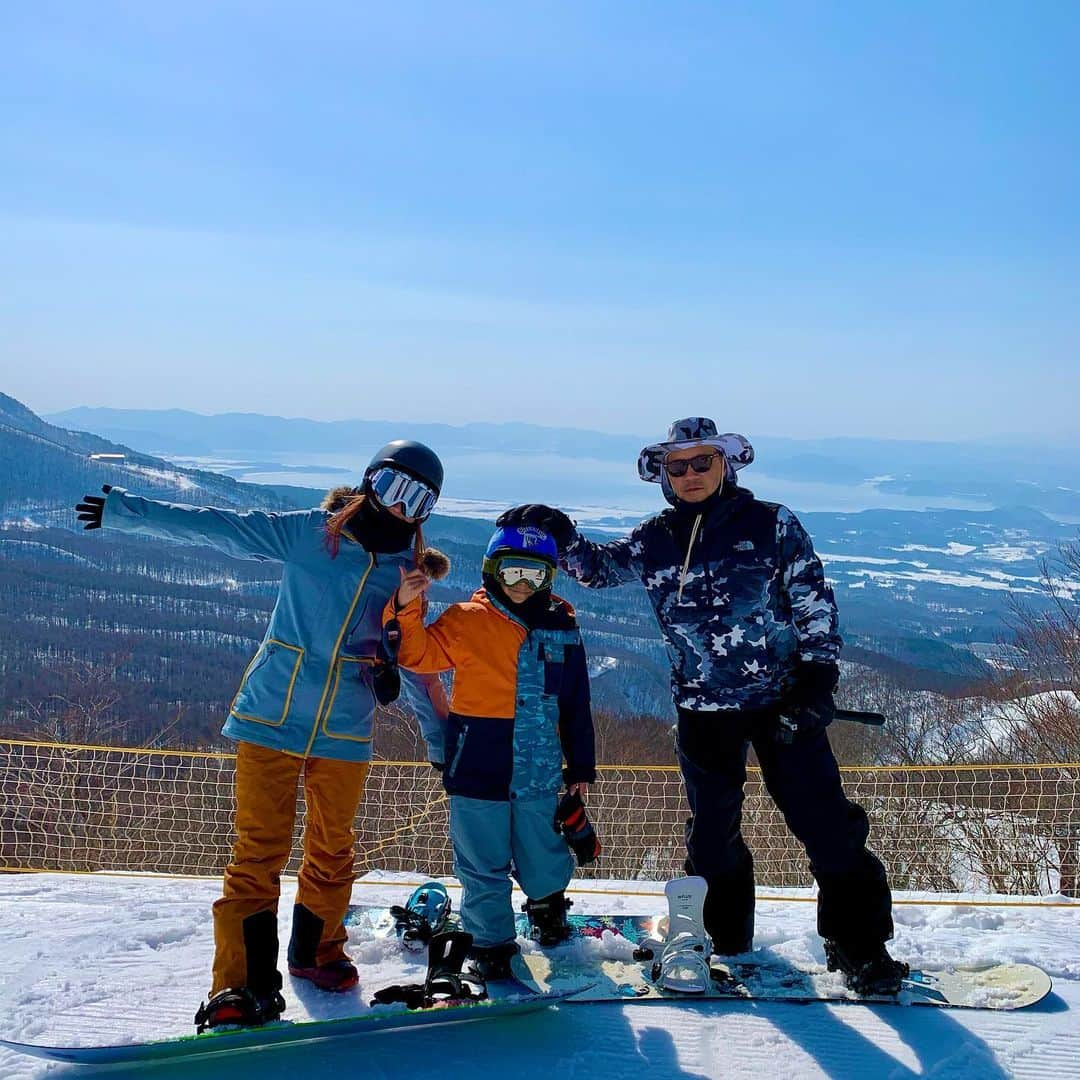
494,839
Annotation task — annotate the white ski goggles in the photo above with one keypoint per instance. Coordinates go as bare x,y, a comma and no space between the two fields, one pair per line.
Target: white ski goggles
394,488
536,575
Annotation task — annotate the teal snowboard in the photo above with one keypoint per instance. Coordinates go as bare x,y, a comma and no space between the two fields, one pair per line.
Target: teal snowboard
519,997
615,975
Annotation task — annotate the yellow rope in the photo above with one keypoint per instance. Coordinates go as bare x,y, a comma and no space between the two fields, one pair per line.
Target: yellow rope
222,756
577,891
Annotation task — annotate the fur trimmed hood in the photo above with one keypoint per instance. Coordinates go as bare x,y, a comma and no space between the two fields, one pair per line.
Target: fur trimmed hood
433,562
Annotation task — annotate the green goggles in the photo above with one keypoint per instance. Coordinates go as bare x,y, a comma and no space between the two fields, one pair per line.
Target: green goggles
509,571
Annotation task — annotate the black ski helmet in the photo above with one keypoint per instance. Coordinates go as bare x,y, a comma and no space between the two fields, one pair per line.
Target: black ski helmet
410,457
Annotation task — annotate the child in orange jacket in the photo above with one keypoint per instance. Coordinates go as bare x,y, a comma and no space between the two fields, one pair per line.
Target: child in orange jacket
520,706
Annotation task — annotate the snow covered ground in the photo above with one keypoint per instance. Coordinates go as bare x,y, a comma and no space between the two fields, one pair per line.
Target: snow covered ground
104,959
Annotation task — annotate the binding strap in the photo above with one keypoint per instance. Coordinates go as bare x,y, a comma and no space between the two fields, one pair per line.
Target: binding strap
412,925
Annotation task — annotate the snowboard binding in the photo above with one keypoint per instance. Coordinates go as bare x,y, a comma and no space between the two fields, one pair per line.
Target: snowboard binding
238,1008
493,963
867,971
683,966
424,915
681,957
547,918
445,984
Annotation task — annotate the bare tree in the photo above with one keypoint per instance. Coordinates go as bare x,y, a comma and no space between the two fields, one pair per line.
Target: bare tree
922,727
1038,701
1037,704
84,713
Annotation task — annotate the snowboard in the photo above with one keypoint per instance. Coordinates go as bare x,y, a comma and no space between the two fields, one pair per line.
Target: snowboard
600,951
512,998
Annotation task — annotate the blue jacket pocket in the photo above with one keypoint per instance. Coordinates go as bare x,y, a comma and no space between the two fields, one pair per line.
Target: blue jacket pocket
266,690
349,708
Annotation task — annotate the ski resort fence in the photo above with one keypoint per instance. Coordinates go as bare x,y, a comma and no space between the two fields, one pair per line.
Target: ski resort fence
1012,829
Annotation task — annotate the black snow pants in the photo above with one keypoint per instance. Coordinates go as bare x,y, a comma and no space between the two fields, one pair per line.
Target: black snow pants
854,901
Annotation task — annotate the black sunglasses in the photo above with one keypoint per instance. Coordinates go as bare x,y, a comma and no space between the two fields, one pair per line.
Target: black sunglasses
702,463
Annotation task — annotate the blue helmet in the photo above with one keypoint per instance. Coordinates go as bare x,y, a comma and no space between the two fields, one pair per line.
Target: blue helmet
523,540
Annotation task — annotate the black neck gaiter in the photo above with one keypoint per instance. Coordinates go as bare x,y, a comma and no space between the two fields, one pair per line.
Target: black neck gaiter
378,530
682,521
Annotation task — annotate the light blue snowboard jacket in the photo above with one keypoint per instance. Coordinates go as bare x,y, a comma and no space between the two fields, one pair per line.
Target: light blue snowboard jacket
307,689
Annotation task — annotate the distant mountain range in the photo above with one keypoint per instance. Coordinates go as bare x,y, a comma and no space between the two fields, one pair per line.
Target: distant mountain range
999,473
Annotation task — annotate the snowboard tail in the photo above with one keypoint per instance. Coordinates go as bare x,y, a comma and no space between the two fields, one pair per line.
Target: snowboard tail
993,987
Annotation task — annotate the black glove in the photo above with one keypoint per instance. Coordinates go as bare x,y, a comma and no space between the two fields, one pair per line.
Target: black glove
554,522
438,766
808,707
92,507
571,821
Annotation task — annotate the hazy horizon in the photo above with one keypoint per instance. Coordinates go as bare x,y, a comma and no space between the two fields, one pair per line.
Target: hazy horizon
1067,440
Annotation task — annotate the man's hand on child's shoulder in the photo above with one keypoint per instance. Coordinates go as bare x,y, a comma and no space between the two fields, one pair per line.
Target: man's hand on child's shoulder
554,522
413,583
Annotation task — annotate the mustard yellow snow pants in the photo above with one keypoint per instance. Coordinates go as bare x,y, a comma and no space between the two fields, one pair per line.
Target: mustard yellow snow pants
245,918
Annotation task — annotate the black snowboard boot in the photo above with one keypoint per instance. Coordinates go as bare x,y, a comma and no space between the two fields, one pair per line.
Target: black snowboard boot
547,917
239,1008
259,1000
492,962
307,928
728,913
867,968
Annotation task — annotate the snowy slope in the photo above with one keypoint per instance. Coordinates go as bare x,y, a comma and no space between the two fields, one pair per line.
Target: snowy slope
98,958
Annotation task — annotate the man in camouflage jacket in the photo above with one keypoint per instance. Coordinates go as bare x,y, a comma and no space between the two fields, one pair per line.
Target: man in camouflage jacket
751,629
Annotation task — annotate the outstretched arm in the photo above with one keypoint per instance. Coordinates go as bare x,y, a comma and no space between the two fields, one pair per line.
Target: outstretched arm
598,566
248,534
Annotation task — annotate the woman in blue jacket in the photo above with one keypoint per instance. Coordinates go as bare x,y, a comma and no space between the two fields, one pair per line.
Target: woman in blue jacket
304,708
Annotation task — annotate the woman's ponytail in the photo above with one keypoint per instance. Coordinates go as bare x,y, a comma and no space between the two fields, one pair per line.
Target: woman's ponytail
336,523
419,547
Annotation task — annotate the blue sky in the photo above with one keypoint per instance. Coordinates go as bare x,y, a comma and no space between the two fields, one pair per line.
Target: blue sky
805,219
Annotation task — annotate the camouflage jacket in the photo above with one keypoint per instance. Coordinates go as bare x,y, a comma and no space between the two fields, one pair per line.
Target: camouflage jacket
754,601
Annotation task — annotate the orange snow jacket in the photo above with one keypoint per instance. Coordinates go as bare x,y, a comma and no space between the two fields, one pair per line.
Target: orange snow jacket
520,700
